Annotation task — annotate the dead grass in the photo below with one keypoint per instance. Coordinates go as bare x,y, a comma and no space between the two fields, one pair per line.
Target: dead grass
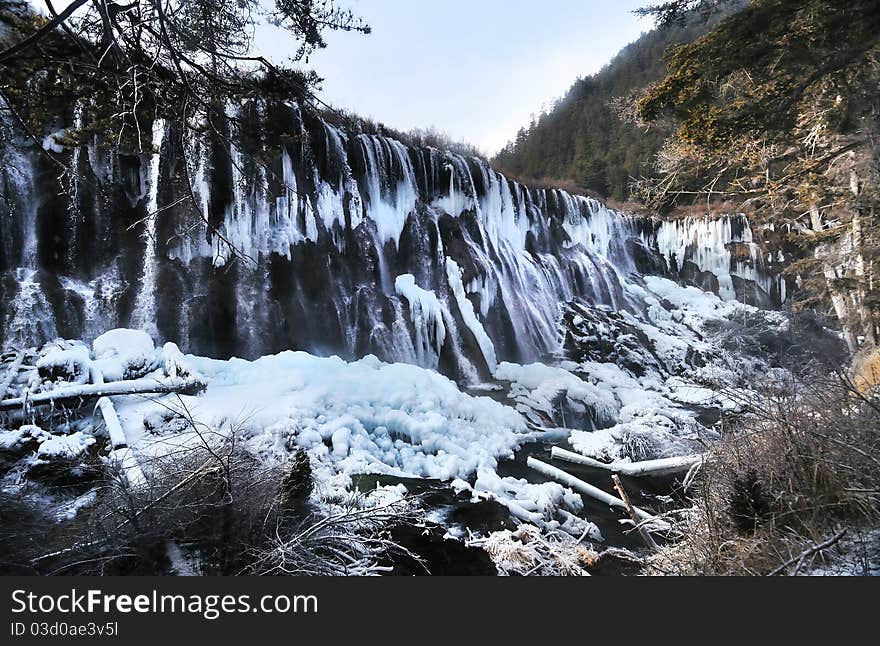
801,464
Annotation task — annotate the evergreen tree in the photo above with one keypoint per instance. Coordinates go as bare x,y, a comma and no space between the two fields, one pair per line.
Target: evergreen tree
777,108
582,139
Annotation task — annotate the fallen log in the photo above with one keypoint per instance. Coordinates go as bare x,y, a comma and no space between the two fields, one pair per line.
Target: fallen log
129,466
646,536
659,467
122,455
145,386
111,421
585,488
11,374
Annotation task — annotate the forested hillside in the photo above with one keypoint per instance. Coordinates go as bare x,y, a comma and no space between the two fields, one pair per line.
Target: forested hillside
582,140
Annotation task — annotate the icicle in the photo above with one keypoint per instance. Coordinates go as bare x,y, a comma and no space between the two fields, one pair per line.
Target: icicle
144,315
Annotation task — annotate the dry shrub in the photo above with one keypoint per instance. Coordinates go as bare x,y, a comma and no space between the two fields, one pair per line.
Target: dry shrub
22,532
799,465
214,508
354,539
530,552
213,501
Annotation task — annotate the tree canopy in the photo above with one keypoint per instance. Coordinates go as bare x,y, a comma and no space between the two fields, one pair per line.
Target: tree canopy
581,140
127,62
776,108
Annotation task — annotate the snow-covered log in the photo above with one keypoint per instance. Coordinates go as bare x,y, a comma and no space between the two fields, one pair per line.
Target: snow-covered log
129,466
111,421
659,467
145,386
585,488
11,374
121,454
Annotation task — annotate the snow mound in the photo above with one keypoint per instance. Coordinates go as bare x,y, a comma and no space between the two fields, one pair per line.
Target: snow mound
21,438
65,447
65,361
124,354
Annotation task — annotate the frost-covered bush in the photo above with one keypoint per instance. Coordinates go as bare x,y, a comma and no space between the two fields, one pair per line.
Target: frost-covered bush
795,467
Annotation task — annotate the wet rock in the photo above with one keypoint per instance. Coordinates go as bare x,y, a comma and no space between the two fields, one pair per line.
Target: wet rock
605,336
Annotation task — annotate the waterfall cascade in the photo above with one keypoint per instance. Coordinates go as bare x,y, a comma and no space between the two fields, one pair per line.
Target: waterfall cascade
343,243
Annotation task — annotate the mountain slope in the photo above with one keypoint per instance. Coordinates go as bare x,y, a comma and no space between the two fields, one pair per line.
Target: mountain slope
581,140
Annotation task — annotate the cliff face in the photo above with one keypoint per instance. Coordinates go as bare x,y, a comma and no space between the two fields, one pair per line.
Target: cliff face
333,242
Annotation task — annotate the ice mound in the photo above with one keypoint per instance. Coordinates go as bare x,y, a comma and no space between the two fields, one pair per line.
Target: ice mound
361,417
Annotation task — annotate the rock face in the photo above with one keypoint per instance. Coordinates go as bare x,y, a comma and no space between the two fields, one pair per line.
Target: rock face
336,243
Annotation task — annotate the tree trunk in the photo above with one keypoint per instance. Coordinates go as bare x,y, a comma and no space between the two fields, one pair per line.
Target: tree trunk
831,269
859,267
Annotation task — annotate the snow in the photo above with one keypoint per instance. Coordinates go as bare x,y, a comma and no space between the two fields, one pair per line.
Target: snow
537,386
531,503
65,447
401,420
124,354
66,358
53,141
21,437
69,510
644,417
359,417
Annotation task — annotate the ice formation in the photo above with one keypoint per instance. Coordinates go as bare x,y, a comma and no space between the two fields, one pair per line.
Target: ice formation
372,289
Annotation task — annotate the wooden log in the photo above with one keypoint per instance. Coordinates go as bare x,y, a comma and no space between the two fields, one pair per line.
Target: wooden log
111,421
646,536
659,467
145,386
129,466
585,488
11,374
121,453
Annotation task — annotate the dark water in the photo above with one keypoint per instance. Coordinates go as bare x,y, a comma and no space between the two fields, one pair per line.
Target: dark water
446,556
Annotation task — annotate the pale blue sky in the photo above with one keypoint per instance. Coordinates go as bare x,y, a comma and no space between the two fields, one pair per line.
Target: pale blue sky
476,69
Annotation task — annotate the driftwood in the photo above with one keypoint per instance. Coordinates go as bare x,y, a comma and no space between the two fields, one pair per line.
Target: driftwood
659,467
585,488
11,374
145,386
646,536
